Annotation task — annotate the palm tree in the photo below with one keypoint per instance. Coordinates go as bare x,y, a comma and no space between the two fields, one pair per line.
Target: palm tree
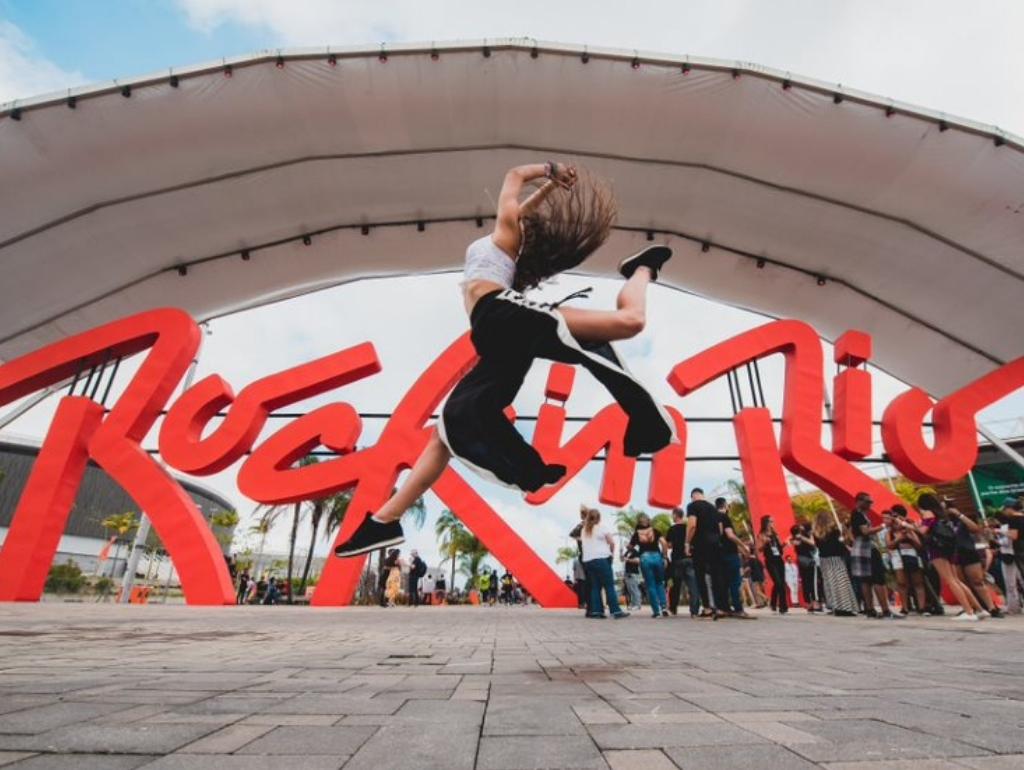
625,521
335,507
565,555
262,528
909,492
122,524
296,518
224,520
267,518
661,523
807,505
473,555
739,508
452,533
336,514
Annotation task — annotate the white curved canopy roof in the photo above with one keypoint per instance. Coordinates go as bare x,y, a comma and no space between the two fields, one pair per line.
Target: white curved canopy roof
915,219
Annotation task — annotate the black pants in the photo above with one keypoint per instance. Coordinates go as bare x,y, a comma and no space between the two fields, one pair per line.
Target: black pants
710,570
777,572
414,590
810,581
384,586
681,573
582,587
509,332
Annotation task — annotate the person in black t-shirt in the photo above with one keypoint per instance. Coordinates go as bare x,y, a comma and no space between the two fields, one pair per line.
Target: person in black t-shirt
753,572
969,564
770,545
866,560
704,544
732,567
648,543
802,541
680,566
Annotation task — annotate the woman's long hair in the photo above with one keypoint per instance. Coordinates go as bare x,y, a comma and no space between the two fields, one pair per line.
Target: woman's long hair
765,522
593,517
929,502
566,228
643,521
824,523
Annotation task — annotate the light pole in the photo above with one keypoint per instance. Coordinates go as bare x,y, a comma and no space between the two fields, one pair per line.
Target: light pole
142,533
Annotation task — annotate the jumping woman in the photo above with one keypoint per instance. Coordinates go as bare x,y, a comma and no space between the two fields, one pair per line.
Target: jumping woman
554,229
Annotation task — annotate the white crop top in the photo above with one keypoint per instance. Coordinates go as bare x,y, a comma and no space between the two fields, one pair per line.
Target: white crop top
485,261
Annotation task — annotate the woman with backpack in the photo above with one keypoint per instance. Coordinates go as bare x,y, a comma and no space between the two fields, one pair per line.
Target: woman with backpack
650,546
940,543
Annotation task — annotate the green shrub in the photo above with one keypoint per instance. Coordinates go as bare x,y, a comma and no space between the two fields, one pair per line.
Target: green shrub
65,578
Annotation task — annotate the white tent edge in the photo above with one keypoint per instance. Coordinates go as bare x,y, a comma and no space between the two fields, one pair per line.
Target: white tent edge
644,58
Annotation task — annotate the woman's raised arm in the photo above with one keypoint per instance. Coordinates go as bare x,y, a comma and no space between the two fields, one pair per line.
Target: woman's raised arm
510,209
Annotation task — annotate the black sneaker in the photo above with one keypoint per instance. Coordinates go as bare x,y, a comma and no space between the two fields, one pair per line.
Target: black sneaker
553,474
370,536
653,257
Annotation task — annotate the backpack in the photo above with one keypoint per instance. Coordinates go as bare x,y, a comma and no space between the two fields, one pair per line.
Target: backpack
942,536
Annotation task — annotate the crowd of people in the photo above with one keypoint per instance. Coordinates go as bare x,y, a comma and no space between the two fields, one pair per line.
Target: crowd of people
839,563
423,586
845,565
262,590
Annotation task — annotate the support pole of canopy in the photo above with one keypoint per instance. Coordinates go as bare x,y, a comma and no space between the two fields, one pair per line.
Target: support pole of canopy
31,403
1001,445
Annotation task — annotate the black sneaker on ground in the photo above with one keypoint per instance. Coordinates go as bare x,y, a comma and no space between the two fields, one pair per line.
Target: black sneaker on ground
370,536
653,257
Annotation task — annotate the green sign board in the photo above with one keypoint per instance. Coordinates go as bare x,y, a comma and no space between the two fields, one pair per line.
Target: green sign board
998,480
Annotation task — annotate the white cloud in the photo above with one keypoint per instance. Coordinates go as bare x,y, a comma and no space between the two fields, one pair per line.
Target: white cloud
24,71
964,59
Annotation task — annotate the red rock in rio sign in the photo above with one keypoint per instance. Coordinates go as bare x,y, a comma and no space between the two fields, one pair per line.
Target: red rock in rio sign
81,431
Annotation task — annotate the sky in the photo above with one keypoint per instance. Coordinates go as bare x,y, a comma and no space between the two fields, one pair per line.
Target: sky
963,59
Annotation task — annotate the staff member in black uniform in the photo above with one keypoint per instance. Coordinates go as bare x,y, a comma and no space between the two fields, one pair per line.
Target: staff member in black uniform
703,543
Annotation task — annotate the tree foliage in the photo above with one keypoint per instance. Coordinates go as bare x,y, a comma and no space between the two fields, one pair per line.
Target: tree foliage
565,555
121,523
65,578
471,559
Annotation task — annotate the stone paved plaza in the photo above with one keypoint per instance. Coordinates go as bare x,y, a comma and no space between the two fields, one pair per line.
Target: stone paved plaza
165,687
